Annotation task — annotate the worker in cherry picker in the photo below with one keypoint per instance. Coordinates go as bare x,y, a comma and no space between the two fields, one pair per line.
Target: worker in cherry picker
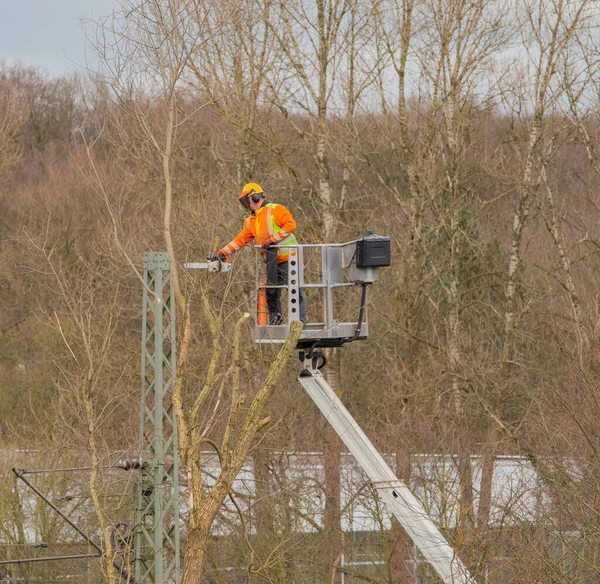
268,225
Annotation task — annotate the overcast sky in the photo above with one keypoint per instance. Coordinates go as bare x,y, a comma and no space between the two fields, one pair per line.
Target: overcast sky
47,33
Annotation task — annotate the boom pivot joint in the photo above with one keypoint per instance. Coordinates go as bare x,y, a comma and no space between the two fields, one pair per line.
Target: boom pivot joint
313,360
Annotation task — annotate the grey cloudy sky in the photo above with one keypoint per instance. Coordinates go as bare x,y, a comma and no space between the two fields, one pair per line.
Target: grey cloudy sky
47,33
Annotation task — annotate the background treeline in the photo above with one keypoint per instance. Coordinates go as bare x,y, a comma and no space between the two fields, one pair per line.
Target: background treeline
466,130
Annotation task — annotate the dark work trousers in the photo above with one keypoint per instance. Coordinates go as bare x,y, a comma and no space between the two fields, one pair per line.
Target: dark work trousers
277,275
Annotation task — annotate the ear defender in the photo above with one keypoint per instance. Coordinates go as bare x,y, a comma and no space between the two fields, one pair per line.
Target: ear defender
256,197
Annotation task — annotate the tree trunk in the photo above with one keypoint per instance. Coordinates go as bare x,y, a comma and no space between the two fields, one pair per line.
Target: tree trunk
332,529
401,547
333,539
195,552
262,509
204,511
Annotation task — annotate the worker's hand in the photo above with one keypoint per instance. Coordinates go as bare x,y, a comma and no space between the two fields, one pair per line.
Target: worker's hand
267,244
214,256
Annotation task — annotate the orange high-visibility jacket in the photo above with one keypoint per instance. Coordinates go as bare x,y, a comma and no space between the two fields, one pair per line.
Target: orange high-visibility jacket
271,221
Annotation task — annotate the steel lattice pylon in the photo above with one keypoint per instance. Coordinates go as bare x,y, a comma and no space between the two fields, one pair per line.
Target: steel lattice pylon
156,541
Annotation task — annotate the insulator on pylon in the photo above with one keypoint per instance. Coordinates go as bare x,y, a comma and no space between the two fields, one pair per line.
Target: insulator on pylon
129,464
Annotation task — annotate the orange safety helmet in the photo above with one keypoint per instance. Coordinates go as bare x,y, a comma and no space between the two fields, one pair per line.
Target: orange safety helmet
253,190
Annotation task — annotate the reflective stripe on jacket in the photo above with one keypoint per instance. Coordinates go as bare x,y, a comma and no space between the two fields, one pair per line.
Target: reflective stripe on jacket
270,221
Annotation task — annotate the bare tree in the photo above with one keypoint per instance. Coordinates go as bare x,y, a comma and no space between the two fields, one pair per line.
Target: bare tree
13,115
87,331
231,69
146,69
311,53
548,31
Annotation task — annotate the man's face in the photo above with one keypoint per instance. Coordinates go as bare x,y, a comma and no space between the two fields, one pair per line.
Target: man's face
254,206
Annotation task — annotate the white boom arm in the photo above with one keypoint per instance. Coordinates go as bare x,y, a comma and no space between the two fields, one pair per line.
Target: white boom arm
401,502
